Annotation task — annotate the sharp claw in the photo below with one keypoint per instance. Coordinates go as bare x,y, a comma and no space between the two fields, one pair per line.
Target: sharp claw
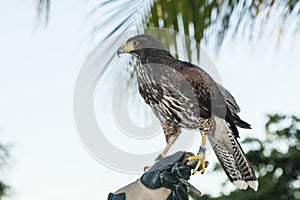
203,166
197,167
201,162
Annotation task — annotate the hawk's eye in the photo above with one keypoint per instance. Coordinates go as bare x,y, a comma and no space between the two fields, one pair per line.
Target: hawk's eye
135,43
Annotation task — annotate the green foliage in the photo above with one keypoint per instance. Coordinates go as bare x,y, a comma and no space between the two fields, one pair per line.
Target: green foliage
211,20
207,20
189,17
3,159
276,160
3,190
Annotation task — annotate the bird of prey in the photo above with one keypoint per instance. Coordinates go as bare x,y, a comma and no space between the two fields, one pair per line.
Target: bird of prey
183,95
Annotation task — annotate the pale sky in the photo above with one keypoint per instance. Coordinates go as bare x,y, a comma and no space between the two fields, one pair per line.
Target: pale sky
38,69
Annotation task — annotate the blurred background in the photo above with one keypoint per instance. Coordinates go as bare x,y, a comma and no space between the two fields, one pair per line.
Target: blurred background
255,45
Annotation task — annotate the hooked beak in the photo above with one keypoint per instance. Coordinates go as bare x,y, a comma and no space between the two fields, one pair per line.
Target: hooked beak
125,48
120,51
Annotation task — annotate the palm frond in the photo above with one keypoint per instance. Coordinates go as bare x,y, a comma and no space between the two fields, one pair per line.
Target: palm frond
207,21
115,21
43,8
120,16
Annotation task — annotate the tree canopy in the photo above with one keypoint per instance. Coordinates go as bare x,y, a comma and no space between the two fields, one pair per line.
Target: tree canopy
3,159
276,160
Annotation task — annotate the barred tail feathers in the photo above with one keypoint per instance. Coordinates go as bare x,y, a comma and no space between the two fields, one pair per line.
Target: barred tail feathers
232,158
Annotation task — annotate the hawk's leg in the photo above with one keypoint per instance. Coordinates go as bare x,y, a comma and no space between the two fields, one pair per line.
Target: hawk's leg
172,132
206,126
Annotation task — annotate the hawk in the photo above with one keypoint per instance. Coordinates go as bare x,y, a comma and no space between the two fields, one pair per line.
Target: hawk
183,95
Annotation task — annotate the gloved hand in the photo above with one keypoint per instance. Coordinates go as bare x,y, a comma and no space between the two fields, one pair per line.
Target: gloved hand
166,180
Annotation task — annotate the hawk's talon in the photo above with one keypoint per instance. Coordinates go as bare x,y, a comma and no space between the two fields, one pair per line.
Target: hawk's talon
201,162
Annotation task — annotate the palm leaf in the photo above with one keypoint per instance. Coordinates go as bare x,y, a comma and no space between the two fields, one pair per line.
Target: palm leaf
196,17
43,8
207,21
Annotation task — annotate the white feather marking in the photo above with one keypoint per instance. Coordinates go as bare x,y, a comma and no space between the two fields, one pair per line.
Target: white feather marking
241,184
253,185
221,135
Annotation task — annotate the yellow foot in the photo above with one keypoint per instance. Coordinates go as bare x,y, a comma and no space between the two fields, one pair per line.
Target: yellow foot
201,162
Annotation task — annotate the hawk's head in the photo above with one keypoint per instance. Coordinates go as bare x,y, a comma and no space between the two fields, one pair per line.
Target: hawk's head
139,44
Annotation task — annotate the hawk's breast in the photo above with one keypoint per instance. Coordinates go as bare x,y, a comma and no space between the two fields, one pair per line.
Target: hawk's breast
169,95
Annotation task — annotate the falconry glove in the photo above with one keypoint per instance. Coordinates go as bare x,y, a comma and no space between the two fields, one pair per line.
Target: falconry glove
166,180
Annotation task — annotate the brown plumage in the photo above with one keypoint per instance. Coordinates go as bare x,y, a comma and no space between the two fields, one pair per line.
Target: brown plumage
183,95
